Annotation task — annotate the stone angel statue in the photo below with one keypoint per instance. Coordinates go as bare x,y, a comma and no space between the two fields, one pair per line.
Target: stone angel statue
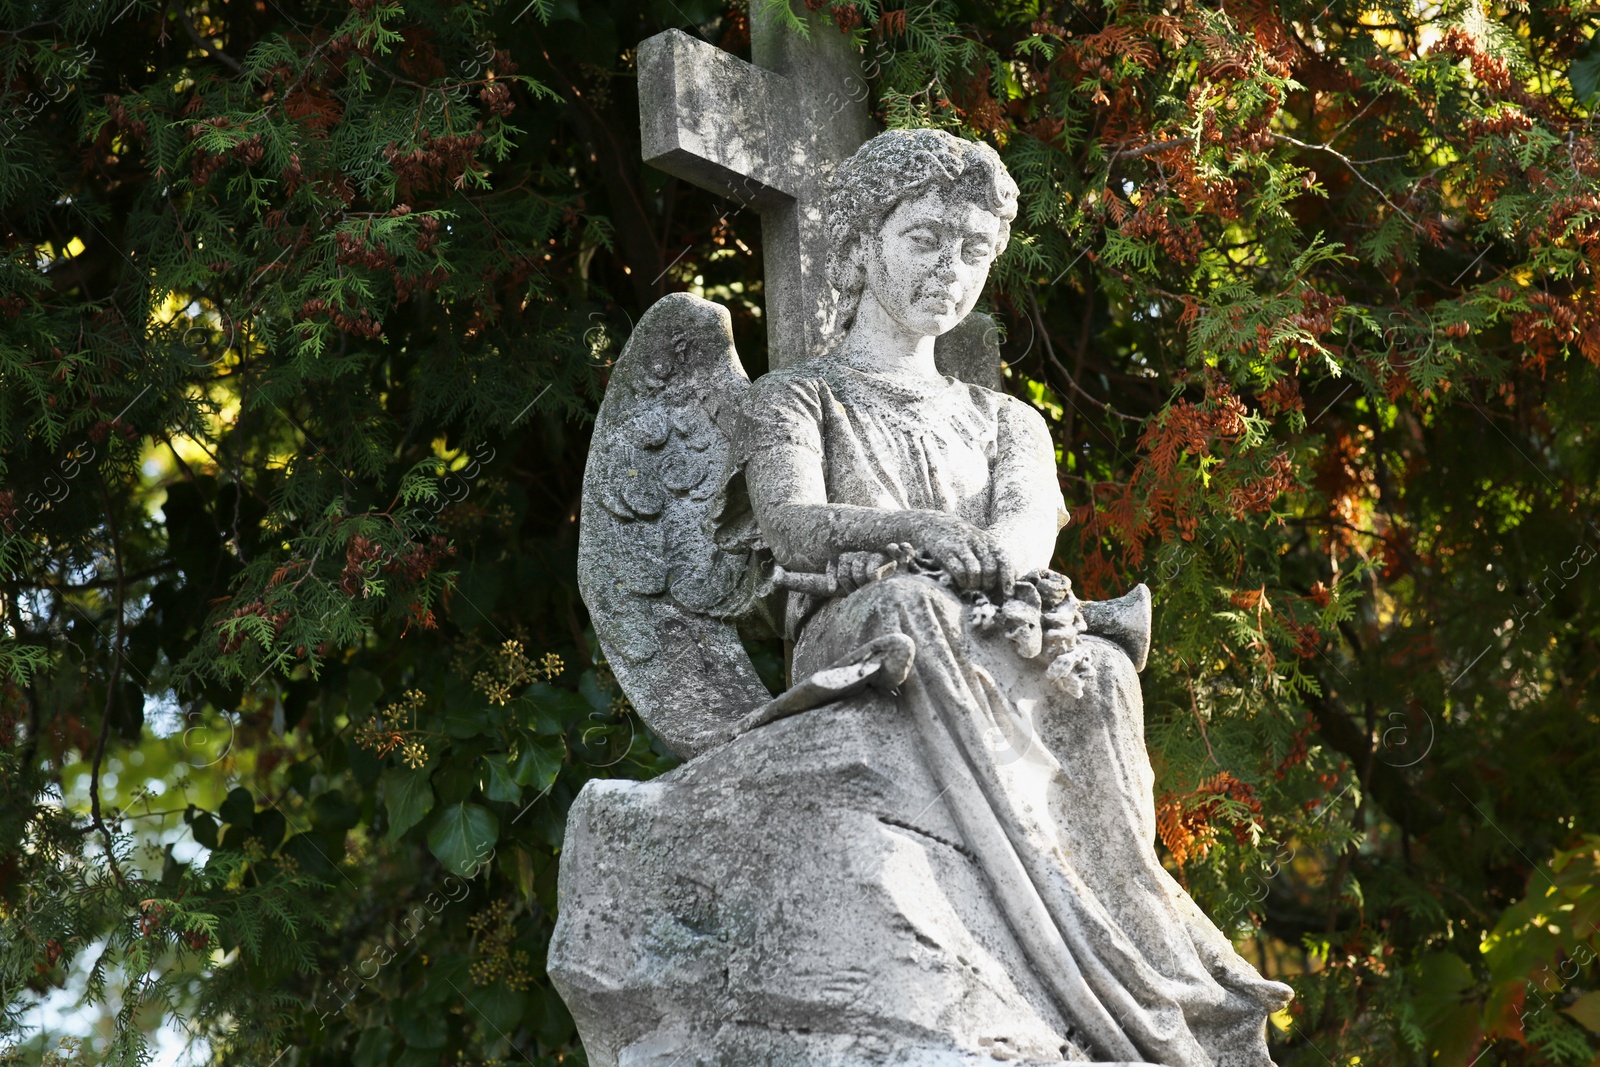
937,846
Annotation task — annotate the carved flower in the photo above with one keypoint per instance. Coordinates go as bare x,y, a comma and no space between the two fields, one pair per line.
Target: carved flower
1070,672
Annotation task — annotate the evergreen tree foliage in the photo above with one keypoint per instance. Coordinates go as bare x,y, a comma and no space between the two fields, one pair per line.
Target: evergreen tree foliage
305,310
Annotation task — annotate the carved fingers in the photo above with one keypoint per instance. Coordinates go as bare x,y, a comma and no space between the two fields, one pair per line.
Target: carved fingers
966,566
1005,570
999,572
967,554
856,569
952,550
973,557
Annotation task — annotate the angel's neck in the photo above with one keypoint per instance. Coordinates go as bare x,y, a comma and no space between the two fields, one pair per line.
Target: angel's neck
878,344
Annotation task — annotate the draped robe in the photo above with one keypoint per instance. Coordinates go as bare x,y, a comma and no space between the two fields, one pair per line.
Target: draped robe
1052,791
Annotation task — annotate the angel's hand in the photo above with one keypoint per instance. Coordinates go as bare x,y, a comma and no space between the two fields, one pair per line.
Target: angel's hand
853,570
973,558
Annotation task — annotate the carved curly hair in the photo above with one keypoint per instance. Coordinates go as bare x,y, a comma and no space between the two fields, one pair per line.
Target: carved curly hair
896,166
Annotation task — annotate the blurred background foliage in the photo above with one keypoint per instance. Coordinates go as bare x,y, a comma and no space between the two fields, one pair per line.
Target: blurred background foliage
305,310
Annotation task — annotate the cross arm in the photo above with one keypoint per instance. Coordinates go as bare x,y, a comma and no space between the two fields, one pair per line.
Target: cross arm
712,119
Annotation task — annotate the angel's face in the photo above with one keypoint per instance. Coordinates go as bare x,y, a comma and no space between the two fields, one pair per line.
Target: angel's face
930,260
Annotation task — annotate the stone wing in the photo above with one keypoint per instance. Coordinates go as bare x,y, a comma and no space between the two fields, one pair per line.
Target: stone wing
663,562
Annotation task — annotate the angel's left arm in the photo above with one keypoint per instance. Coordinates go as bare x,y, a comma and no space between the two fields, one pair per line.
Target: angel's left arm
1026,507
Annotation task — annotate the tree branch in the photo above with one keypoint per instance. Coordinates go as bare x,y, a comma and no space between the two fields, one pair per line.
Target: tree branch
1149,149
1350,164
113,681
200,42
107,583
1386,784
1050,354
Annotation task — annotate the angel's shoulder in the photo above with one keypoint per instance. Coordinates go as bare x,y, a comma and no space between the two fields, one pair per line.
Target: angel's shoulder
1014,412
789,392
806,378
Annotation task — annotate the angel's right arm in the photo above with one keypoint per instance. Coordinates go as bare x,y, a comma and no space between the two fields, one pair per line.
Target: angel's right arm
784,470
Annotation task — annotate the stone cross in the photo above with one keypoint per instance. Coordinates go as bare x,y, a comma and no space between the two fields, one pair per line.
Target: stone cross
768,136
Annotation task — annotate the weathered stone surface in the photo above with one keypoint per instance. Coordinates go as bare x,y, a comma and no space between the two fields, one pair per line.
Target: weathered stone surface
971,352
662,594
799,896
1125,620
710,118
960,866
767,136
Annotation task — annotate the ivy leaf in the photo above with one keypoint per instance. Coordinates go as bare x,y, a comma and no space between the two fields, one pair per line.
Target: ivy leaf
372,1050
539,761
589,688
502,1008
498,783
462,837
332,813
1584,73
464,722
204,828
456,777
239,808
551,708
408,796
1586,1009
422,1029
418,1057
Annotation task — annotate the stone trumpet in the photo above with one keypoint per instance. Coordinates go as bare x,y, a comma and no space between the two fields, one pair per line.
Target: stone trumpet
1125,622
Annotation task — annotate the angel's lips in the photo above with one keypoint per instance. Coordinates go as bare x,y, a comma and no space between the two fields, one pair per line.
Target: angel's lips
942,300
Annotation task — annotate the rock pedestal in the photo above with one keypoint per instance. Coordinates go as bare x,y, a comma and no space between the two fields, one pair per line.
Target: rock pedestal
797,897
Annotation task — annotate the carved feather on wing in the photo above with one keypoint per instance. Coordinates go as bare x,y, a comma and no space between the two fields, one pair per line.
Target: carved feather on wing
662,565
